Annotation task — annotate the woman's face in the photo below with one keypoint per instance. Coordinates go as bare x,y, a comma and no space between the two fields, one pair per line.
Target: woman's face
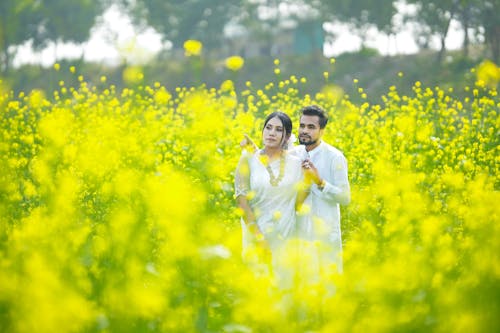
273,133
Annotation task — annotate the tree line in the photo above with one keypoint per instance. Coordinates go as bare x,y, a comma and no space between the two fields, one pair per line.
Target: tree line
41,22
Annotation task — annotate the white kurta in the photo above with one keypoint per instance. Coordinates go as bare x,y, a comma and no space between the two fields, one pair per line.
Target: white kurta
322,223
273,206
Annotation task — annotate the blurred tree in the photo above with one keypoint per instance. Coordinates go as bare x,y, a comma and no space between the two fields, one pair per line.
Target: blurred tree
480,16
18,23
468,14
307,15
308,20
267,19
360,14
43,21
206,21
180,20
263,22
436,15
63,21
490,19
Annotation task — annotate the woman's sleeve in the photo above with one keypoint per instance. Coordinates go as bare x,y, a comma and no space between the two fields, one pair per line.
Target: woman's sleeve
242,176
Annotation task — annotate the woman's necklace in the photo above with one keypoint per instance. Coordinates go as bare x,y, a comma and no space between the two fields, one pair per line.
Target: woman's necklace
276,180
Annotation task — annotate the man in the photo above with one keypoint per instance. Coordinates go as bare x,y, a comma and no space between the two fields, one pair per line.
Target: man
326,167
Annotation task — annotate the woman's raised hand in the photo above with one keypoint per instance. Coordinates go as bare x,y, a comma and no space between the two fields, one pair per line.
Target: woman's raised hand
248,143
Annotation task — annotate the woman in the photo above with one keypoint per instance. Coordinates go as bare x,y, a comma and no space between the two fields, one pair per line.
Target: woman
267,189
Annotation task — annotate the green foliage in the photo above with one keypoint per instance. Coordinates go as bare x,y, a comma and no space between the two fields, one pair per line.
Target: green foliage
480,16
17,25
179,21
362,13
65,21
42,22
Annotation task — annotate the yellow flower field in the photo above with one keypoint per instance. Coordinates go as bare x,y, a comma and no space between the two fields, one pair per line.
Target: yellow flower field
117,212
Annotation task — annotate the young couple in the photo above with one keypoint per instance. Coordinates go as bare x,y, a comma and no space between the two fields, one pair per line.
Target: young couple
273,183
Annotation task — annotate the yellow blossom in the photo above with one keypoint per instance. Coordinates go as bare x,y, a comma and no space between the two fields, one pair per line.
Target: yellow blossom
234,63
488,73
192,47
133,75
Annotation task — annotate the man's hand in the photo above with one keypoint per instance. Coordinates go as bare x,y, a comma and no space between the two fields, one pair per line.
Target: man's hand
311,174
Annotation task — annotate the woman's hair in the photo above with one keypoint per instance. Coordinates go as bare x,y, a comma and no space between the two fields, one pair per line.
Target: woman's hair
285,120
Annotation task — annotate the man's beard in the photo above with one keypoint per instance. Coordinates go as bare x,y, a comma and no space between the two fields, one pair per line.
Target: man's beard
307,143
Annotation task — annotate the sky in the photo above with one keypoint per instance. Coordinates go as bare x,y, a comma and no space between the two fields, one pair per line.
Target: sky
115,39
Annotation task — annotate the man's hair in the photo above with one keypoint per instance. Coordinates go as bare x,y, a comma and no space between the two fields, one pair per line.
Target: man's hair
314,110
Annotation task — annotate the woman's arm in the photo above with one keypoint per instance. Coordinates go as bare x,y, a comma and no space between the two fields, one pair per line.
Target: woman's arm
249,217
242,190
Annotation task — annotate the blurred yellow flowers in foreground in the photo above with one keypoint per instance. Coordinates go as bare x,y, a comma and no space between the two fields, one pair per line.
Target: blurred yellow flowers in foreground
117,211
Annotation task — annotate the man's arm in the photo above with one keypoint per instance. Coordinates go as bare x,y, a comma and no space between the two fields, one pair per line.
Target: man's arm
337,189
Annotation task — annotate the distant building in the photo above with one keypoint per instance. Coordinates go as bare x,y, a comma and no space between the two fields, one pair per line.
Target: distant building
302,39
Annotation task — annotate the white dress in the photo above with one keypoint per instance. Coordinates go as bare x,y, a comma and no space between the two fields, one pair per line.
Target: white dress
273,206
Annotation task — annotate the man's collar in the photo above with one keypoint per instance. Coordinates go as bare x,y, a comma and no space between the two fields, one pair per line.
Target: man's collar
316,149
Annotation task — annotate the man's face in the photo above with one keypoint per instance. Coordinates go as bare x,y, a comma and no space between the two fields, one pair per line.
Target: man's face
309,131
